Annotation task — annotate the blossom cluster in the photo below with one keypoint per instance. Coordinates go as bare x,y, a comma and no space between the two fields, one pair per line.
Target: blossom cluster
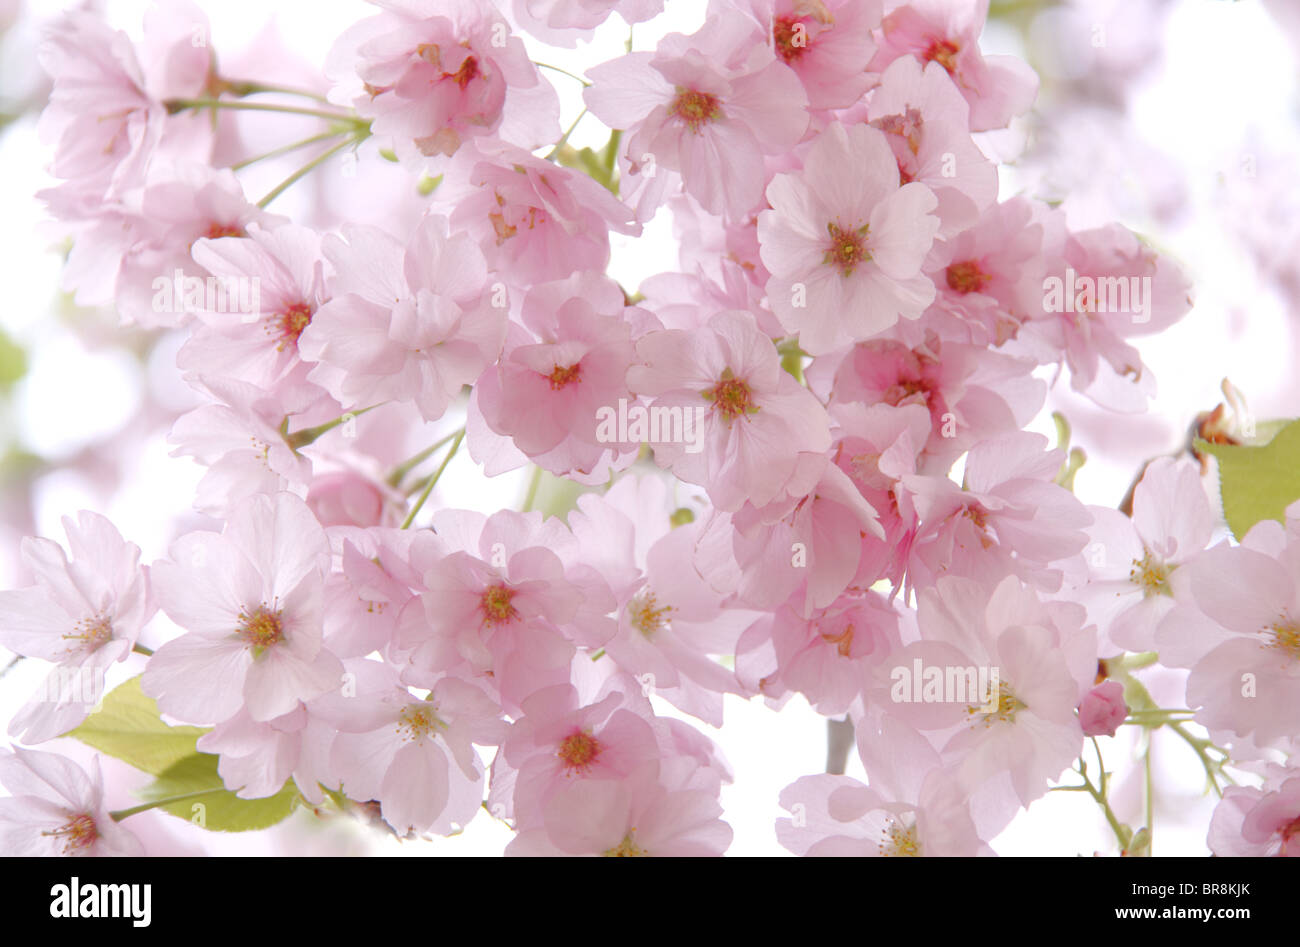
804,453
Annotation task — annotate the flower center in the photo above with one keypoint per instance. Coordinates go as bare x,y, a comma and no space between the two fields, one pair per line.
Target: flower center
847,248
218,230
80,833
944,53
731,396
1290,836
967,277
647,615
288,325
695,108
418,721
496,605
905,126
1151,574
467,72
791,37
564,375
92,633
626,848
899,841
978,516
1008,706
578,751
1286,637
260,629
843,641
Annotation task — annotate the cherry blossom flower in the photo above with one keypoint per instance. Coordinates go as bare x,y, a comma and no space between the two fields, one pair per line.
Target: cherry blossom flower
997,88
260,347
1131,562
57,808
416,757
845,243
433,73
565,22
1254,822
828,44
83,613
756,418
250,601
631,818
704,107
567,362
534,220
403,323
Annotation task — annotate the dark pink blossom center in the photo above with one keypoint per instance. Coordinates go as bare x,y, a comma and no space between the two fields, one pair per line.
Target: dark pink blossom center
565,375
496,605
967,277
696,109
261,628
944,53
731,396
578,751
847,248
77,834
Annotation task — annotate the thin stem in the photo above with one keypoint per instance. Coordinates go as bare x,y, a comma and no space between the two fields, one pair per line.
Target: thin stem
571,75
455,446
12,663
1149,790
121,814
1096,748
180,105
304,170
249,87
533,485
1121,833
1213,768
401,470
309,434
565,137
286,149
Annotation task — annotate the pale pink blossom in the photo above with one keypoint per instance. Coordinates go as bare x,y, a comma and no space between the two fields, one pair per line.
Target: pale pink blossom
431,74
925,121
56,808
411,323
565,22
1254,822
567,361
845,242
249,599
705,107
828,44
415,756
83,613
998,88
259,346
535,220
757,419
634,817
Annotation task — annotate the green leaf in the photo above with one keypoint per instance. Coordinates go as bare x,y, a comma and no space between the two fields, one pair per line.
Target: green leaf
126,725
1257,482
209,804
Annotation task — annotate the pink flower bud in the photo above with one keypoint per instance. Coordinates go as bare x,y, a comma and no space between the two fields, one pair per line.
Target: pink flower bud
1102,709
346,499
